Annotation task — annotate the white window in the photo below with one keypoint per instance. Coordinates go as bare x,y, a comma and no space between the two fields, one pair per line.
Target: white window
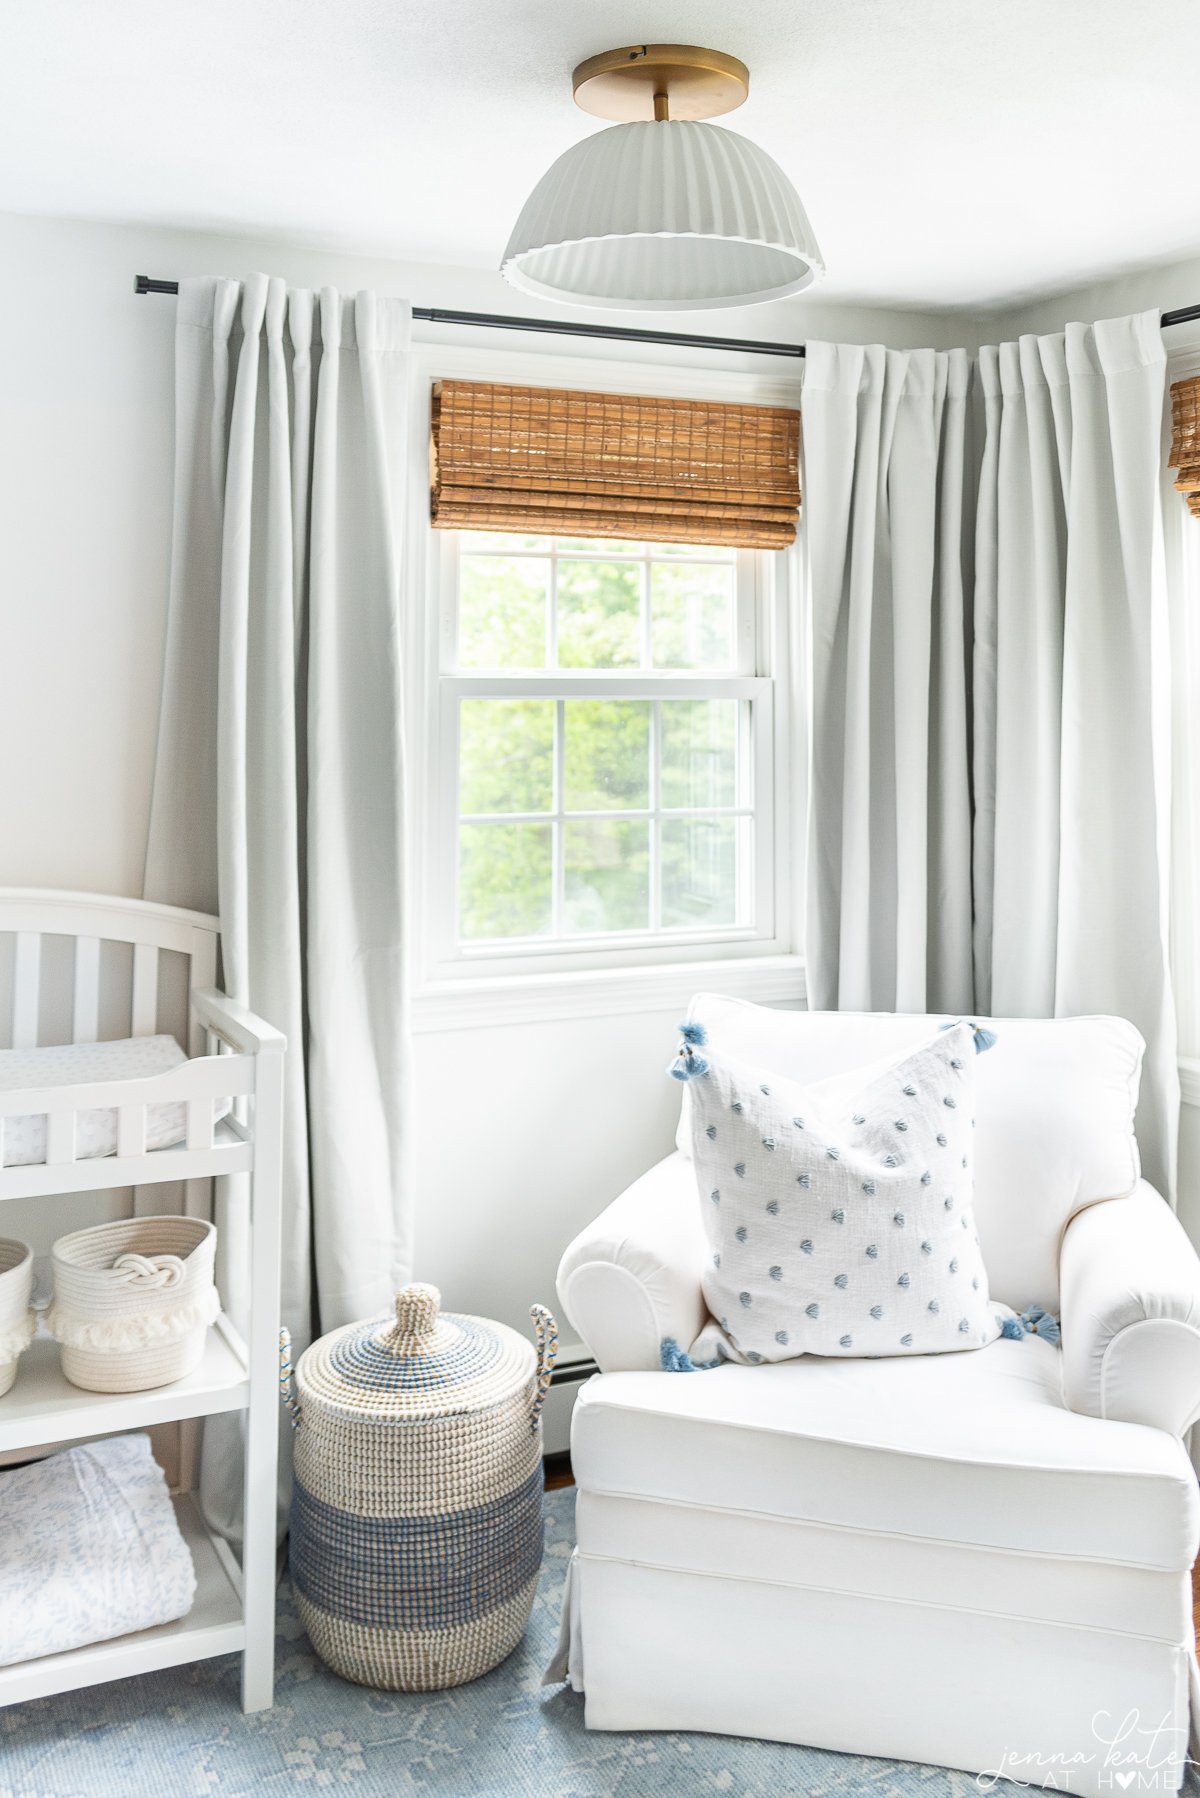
605,755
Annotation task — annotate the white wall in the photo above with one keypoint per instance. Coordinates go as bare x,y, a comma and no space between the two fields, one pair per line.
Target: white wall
524,1131
1165,286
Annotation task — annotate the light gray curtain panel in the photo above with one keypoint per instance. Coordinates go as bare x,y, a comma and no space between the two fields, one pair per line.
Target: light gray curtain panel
279,784
989,806
1072,695
889,824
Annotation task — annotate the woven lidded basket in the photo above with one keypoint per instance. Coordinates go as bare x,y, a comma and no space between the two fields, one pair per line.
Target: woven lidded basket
416,1525
132,1301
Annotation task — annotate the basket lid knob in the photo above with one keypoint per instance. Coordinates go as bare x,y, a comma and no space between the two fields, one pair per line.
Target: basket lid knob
416,1319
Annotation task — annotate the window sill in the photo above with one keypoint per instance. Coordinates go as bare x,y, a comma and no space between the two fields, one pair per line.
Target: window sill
604,992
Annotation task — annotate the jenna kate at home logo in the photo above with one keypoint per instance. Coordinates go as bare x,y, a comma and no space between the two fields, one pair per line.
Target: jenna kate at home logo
1131,1755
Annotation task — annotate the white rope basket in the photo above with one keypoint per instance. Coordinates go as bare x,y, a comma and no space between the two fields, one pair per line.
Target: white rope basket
17,1320
132,1301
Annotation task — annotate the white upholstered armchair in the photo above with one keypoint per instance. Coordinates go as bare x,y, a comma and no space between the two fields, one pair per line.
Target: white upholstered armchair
978,1559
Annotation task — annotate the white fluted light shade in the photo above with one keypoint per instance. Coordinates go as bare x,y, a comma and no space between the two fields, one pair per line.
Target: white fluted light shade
672,215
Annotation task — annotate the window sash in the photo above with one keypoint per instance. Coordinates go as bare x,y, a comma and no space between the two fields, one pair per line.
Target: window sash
753,810
766,923
745,614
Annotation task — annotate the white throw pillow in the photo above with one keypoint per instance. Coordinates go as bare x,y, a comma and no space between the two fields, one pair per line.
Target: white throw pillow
840,1214
1054,1102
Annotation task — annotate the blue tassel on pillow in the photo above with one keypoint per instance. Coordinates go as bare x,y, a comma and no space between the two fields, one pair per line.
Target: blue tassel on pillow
677,1360
687,1065
1040,1323
1033,1322
984,1038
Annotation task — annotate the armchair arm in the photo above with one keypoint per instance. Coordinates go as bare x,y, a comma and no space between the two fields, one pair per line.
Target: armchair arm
633,1276
1130,1283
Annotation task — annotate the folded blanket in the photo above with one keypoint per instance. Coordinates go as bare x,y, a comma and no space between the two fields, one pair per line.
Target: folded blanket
89,1549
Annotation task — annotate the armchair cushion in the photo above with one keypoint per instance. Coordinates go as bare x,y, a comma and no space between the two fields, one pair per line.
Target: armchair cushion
1131,1313
975,1449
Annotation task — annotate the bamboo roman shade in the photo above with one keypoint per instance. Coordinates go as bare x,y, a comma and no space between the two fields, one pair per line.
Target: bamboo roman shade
545,460
1185,440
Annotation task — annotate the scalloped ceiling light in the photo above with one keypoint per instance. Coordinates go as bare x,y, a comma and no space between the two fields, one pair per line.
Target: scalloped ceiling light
661,211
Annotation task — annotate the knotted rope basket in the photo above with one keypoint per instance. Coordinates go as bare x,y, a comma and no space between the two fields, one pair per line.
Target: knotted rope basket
17,1320
132,1301
416,1524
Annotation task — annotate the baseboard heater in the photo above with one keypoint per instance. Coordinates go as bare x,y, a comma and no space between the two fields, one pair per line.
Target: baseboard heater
569,1373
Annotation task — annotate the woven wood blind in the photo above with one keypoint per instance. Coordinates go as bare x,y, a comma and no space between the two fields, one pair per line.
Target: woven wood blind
613,465
1185,440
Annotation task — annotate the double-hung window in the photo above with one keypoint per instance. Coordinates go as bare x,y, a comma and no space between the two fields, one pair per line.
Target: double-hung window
606,748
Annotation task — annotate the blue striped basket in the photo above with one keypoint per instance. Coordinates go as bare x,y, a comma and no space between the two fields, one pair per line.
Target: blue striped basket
416,1522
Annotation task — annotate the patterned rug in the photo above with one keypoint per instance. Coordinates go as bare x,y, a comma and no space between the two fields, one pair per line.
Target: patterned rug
180,1734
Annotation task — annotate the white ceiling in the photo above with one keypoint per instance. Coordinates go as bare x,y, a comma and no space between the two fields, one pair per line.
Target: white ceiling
950,153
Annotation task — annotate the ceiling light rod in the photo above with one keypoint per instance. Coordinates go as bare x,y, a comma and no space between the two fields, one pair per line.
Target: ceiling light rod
438,315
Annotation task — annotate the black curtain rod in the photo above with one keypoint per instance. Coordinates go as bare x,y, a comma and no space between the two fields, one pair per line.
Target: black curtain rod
438,315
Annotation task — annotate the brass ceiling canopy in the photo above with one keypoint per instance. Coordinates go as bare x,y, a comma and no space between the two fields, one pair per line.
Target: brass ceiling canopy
660,81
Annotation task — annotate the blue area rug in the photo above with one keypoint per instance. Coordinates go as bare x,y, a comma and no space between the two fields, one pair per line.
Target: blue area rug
181,1734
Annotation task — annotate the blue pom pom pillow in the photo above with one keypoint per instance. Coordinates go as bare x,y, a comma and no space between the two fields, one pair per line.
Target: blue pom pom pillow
839,1215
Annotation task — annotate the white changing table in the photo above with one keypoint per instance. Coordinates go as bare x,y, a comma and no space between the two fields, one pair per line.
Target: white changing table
238,1057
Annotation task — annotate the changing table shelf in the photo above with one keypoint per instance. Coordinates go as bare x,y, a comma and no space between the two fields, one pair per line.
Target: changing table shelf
213,1626
229,1089
43,1406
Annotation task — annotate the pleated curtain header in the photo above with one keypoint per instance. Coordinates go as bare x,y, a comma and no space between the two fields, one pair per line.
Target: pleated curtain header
300,316
1185,441
557,462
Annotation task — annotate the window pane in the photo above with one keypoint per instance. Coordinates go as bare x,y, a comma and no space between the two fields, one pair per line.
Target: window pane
599,614
691,610
505,878
502,612
699,872
506,755
607,875
607,755
699,753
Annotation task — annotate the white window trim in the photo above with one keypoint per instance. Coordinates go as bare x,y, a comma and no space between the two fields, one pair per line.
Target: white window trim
450,994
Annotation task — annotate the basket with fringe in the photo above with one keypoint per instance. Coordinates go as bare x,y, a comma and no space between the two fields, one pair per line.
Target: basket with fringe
17,1319
132,1301
416,1524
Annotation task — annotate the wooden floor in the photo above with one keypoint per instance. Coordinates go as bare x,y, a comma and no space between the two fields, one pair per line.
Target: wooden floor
558,1475
558,1472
